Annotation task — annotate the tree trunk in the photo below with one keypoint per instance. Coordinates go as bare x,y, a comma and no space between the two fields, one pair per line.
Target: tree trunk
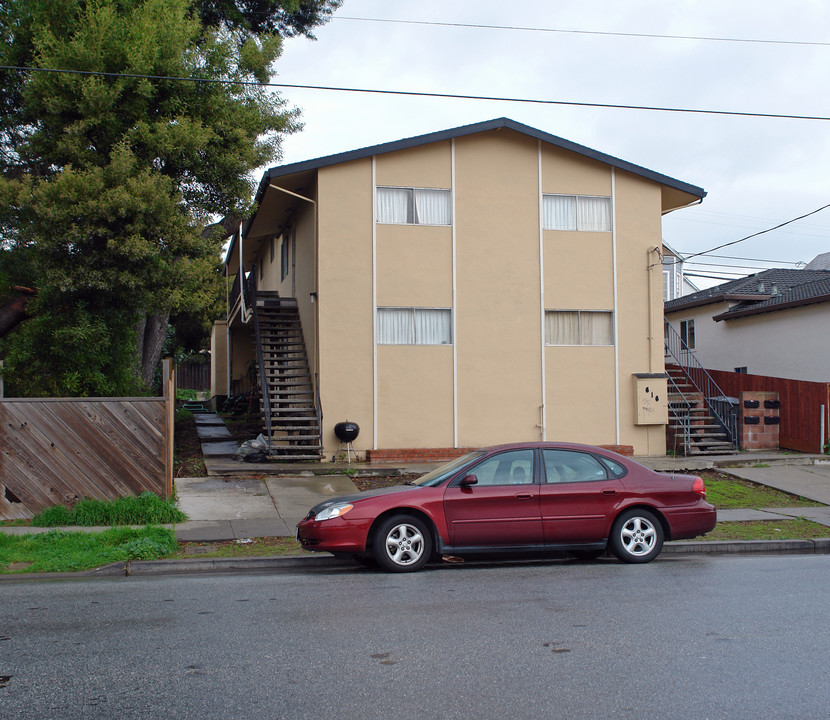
151,333
13,313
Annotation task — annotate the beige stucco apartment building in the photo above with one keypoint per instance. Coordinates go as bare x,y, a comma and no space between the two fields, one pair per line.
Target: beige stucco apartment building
486,284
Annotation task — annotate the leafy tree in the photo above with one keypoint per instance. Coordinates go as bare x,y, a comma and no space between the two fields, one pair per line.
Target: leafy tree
109,176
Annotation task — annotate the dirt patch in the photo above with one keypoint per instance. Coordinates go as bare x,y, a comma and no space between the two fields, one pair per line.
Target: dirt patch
373,482
187,450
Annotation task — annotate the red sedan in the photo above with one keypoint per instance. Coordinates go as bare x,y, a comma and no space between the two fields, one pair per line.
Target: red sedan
524,497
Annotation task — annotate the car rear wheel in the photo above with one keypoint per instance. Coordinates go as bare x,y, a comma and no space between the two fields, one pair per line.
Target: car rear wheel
637,536
402,544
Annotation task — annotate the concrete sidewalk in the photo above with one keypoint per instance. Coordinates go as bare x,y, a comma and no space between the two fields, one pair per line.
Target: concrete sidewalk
234,508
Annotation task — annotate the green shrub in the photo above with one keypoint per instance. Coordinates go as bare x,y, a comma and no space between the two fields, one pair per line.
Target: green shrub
145,509
54,516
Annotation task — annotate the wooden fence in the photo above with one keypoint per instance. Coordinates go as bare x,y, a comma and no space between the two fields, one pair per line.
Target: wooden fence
801,406
193,376
59,450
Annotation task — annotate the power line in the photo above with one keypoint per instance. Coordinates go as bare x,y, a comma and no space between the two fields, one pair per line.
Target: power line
479,26
777,262
412,93
774,262
761,232
712,277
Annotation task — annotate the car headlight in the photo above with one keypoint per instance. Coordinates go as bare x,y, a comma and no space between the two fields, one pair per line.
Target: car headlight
333,511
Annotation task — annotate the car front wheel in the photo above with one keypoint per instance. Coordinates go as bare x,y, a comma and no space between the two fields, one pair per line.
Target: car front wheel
402,544
636,537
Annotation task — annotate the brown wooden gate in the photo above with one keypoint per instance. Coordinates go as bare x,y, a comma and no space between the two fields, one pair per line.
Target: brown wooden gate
59,450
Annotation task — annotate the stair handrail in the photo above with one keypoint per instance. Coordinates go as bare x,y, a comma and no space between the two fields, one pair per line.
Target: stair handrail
702,381
685,425
260,356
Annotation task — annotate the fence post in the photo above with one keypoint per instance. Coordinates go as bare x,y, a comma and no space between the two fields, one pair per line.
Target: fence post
168,383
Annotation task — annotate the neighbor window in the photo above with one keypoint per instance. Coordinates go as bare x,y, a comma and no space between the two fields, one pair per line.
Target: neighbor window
579,327
687,333
414,326
285,256
414,206
585,213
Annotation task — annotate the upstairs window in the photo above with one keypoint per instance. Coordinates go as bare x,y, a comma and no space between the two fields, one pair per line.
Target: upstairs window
414,326
579,327
687,333
414,206
285,256
584,213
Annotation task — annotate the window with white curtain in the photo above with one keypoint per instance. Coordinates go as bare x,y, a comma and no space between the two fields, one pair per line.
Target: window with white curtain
579,327
414,326
414,206
585,213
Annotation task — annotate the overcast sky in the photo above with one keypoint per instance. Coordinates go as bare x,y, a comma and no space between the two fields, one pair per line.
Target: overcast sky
758,172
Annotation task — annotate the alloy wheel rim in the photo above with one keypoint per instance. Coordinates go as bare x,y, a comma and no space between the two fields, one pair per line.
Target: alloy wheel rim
404,544
638,536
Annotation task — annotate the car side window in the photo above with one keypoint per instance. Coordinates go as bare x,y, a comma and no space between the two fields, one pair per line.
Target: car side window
565,466
617,469
514,467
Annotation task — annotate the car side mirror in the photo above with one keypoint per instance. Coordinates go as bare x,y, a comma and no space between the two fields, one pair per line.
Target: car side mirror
468,480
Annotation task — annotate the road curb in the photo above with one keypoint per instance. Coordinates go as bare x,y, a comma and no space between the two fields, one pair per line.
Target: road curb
147,568
819,545
138,568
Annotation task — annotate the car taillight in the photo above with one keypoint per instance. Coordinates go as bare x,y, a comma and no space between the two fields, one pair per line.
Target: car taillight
699,487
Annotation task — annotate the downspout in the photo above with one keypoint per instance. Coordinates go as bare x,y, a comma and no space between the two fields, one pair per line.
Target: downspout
651,337
241,280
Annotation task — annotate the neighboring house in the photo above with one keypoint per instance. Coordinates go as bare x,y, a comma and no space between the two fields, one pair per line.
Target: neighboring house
675,282
774,323
484,284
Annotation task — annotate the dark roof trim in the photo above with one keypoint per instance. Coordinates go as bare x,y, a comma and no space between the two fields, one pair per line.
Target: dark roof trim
464,130
691,305
748,297
734,314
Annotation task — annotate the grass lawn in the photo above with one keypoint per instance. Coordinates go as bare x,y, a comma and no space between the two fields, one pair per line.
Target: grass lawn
63,551
728,493
795,529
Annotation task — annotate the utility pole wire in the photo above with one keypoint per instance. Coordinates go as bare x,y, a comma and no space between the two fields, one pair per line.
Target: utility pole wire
760,232
412,93
587,32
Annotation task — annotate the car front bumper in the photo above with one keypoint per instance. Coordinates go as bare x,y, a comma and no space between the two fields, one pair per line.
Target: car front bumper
334,535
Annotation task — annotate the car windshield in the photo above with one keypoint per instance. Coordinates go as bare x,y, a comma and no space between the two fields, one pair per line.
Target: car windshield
437,476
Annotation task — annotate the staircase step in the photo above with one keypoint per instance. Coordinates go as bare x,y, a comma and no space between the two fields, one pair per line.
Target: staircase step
296,438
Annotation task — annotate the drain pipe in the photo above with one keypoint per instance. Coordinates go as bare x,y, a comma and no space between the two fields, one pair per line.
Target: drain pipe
650,268
241,280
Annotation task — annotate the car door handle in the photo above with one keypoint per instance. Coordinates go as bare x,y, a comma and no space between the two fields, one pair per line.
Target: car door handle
609,492
524,496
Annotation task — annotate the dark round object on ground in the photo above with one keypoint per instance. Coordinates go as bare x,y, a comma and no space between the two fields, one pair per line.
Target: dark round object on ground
346,431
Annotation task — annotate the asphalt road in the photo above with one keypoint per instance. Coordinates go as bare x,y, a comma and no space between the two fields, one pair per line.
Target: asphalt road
682,637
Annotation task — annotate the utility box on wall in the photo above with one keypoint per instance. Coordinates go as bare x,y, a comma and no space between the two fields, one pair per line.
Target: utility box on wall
652,404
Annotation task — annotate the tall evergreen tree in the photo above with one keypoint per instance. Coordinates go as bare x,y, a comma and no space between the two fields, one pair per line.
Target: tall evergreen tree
109,175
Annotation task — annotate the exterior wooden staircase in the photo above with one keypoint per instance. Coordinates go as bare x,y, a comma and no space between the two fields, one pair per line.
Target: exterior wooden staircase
288,399
693,429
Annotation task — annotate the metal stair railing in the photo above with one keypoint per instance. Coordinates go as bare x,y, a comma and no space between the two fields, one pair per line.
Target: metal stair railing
703,382
683,421
250,293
